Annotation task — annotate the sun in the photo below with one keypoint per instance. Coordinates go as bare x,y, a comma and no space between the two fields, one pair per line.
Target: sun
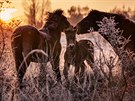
6,14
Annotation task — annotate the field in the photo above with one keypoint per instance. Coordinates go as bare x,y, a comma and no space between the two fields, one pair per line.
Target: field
114,79
41,85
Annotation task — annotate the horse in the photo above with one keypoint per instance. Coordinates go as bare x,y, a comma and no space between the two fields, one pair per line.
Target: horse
126,25
27,38
76,53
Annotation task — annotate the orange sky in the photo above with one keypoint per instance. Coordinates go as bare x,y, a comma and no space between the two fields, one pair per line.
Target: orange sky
104,5
93,4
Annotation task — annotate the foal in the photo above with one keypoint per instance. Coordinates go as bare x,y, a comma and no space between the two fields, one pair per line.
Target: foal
76,53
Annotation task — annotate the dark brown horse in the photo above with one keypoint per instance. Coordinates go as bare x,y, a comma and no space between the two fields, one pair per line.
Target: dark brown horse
126,25
27,38
76,53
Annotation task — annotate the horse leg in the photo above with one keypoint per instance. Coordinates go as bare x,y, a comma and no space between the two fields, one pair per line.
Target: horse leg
55,66
65,71
22,68
97,74
76,73
18,60
81,74
83,66
90,61
24,63
17,53
91,64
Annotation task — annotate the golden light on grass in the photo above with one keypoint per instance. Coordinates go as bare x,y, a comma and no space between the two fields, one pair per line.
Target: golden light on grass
6,14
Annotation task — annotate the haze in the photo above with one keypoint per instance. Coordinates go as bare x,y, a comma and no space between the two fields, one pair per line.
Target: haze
104,5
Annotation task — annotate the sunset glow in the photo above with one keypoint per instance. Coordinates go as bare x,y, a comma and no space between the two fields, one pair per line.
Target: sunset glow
6,14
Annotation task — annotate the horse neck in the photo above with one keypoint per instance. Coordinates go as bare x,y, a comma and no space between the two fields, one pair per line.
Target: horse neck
56,35
95,26
99,17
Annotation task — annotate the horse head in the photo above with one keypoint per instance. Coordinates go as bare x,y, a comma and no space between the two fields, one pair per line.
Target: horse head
57,22
71,37
88,22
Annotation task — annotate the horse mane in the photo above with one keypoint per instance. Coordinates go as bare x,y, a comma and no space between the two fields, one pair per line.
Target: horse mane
58,12
51,15
119,17
97,12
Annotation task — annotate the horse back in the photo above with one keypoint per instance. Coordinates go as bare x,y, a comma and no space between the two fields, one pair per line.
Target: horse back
24,39
87,44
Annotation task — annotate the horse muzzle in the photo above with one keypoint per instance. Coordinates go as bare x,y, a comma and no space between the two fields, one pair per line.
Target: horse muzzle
71,46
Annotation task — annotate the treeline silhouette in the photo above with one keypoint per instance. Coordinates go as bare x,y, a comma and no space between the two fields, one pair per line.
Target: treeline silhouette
76,13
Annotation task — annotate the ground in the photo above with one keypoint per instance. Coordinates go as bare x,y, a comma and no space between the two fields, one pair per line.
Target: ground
40,84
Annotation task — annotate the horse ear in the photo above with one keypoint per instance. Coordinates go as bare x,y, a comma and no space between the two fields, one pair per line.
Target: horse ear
49,13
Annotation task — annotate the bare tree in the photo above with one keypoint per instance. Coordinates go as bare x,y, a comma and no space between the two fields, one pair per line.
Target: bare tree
2,43
76,14
35,10
129,13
